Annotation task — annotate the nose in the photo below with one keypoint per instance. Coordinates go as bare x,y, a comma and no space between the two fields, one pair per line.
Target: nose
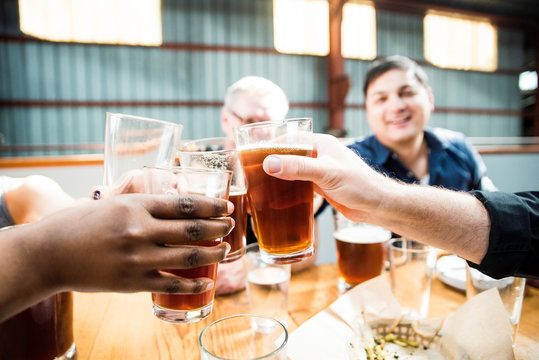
395,103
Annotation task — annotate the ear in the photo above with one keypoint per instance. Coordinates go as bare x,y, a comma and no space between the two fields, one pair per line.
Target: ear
430,94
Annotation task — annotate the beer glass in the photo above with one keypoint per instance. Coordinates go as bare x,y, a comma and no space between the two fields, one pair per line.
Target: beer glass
411,267
132,142
282,210
267,287
236,337
187,308
511,290
361,250
44,331
220,153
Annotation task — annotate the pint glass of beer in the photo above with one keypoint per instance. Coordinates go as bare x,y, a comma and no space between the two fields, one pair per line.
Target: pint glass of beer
187,308
361,250
220,153
282,210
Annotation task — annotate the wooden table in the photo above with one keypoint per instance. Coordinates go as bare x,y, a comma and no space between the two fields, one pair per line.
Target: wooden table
121,326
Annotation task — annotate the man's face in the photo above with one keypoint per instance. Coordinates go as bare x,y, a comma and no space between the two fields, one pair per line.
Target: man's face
247,110
398,107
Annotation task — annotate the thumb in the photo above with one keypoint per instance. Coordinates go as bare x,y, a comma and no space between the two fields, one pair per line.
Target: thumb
292,167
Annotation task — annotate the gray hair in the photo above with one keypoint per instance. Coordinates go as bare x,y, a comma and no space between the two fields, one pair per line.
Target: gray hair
256,86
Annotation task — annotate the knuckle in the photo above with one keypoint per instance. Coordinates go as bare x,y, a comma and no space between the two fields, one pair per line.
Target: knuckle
173,286
193,230
198,286
193,258
220,206
186,204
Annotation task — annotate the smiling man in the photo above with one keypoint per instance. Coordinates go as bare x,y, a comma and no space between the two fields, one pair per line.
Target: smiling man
398,103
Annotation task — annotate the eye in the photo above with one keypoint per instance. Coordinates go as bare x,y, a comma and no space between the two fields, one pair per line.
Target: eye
380,100
408,93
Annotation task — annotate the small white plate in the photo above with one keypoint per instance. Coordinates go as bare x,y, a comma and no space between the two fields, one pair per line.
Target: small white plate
452,271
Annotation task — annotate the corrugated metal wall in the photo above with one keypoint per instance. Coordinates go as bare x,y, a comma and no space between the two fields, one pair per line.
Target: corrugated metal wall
46,72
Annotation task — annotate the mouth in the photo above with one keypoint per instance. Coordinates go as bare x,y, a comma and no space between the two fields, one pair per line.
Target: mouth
399,121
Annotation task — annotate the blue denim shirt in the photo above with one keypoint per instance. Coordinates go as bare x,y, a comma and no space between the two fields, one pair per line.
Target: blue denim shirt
453,162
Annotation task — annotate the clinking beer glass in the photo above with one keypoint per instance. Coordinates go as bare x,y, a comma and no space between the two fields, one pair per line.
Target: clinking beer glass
282,210
220,153
187,308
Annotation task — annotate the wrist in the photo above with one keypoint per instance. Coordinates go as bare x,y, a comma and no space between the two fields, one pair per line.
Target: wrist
39,258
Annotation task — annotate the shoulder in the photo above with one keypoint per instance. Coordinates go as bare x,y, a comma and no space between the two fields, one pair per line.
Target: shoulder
364,147
451,140
447,136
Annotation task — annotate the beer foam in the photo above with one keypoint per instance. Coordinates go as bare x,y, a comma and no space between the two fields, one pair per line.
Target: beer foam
237,190
275,146
363,234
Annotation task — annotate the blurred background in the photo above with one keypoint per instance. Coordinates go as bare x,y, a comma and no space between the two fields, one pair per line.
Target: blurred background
65,63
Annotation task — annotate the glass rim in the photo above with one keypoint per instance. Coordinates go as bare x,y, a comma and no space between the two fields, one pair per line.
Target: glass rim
188,169
109,113
270,122
218,139
425,247
280,348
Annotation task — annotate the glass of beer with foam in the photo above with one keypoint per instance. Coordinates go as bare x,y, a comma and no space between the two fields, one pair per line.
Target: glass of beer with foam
282,210
220,153
187,308
361,250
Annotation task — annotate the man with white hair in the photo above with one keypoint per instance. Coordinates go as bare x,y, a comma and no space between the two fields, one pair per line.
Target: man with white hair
252,99
249,100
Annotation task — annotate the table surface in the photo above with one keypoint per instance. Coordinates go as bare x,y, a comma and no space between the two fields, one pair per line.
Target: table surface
121,326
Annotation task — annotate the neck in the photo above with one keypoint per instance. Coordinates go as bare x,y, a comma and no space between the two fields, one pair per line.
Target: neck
414,155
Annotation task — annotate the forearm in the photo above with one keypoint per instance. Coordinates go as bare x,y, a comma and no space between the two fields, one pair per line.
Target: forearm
456,222
21,278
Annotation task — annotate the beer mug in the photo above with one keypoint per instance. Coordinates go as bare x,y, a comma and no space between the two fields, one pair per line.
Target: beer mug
282,210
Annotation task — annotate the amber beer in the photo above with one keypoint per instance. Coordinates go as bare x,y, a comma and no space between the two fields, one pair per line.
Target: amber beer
236,238
190,301
361,253
187,308
41,332
282,210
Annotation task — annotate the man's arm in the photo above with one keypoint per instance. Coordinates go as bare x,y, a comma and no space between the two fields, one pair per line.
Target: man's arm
457,222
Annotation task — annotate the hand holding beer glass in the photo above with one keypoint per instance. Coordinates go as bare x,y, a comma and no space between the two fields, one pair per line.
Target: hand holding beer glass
187,308
220,153
282,210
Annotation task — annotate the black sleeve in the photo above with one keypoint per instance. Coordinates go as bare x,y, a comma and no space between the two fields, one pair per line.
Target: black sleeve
514,234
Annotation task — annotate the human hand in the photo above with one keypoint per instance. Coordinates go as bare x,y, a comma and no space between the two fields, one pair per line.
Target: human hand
125,242
130,182
117,244
338,174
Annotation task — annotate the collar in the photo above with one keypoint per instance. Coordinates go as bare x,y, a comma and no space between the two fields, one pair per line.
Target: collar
381,153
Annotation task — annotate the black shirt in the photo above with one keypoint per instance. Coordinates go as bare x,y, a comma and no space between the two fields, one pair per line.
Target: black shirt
514,234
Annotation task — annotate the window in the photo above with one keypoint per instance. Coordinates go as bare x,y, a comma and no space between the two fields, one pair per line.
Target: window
527,81
128,22
302,27
358,30
458,42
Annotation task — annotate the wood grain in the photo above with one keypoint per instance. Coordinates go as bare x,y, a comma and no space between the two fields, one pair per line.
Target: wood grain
121,326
